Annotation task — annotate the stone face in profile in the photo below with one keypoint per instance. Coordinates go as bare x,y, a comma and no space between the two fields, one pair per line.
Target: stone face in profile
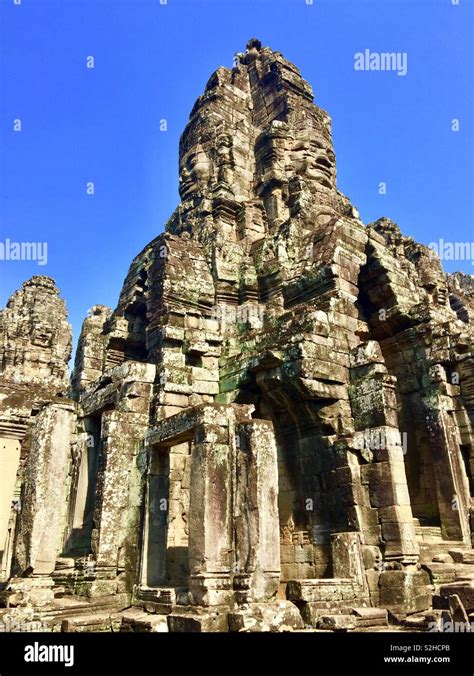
282,398
195,174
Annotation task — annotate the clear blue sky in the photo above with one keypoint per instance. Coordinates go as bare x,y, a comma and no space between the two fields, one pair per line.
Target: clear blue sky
153,60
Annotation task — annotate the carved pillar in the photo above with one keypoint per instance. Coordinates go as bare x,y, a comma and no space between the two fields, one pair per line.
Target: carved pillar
119,484
9,461
43,517
375,413
452,486
121,440
257,546
210,514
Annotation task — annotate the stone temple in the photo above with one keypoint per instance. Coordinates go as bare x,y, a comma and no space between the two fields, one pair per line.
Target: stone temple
272,431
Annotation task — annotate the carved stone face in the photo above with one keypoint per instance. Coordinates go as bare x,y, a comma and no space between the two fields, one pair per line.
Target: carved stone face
373,559
315,163
194,172
42,335
441,295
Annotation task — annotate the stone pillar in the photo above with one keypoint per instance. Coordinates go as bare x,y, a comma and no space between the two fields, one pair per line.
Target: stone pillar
121,441
155,531
257,546
43,518
210,514
9,461
117,512
388,490
452,486
378,439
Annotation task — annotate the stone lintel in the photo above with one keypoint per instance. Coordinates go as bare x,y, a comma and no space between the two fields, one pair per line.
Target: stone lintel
181,426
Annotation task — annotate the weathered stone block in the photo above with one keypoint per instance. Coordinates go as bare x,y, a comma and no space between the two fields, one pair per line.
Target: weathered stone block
276,616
